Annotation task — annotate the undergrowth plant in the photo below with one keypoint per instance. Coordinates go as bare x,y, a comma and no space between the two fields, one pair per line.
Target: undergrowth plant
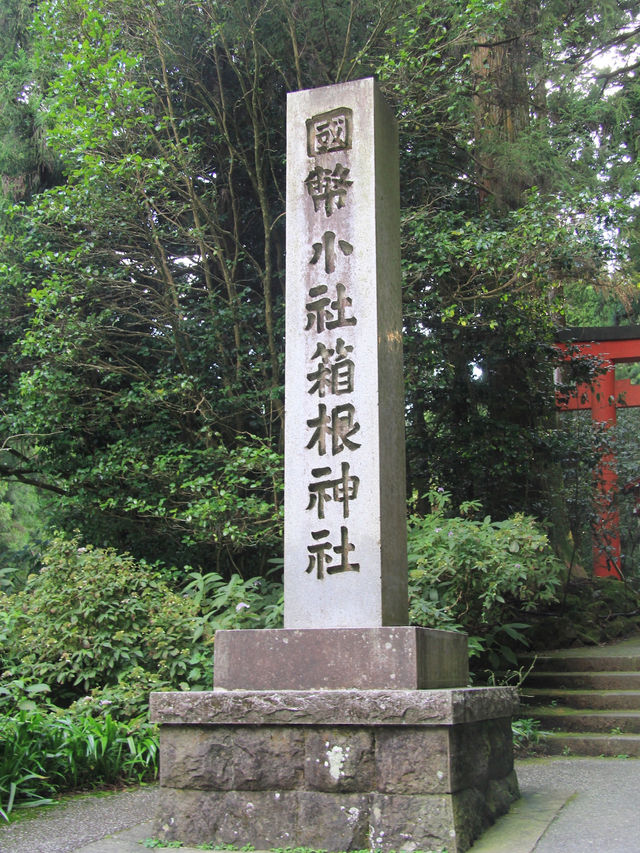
92,618
237,602
527,734
83,645
480,576
47,751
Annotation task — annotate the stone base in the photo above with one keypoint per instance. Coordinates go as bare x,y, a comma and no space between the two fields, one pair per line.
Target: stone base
335,770
400,657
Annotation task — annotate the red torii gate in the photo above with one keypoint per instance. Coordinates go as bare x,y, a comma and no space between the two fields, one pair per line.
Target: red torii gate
611,345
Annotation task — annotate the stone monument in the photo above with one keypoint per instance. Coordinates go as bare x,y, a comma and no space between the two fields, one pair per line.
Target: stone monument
345,513
347,729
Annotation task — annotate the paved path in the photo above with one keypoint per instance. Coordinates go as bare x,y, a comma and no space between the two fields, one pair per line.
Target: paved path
569,805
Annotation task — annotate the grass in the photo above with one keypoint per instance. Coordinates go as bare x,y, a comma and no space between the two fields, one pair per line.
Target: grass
527,735
45,752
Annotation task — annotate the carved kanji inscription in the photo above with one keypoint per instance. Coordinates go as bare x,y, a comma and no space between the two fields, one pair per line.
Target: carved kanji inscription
330,131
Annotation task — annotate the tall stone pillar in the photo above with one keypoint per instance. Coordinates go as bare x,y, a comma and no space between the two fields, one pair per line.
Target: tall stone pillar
345,510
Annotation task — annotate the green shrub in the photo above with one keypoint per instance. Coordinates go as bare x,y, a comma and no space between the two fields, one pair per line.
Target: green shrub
93,619
591,611
129,697
480,576
237,603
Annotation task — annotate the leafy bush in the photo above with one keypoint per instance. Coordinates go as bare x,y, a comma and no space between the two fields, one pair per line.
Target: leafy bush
480,576
129,697
93,618
97,631
43,752
237,603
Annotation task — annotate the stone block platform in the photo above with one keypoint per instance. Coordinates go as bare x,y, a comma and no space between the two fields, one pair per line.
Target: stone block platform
335,770
400,657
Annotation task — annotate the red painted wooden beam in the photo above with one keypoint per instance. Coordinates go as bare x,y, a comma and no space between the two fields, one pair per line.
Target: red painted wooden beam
626,395
619,352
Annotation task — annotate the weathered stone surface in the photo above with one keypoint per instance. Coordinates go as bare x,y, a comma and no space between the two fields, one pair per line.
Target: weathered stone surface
334,707
480,751
471,816
329,773
225,758
475,809
443,760
196,757
469,755
333,821
484,703
407,823
269,758
413,760
399,658
448,822
500,794
188,816
340,760
501,748
345,508
263,819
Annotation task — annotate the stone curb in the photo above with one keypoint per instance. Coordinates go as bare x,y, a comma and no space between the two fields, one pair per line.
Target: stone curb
520,830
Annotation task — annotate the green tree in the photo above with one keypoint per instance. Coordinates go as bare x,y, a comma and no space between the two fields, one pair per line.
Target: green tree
147,386
516,175
26,165
143,298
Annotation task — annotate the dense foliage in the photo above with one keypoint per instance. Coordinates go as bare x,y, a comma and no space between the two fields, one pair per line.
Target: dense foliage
141,262
81,647
89,617
482,577
44,752
103,629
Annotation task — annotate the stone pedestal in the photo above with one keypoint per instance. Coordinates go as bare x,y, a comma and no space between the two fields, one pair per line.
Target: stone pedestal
335,769
400,658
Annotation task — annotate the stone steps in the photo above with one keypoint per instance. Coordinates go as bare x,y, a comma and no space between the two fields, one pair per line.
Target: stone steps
586,702
596,699
585,680
584,663
610,746
598,722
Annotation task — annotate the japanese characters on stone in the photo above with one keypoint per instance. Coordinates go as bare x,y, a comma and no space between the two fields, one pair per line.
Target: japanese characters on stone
331,377
330,131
